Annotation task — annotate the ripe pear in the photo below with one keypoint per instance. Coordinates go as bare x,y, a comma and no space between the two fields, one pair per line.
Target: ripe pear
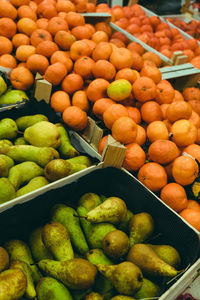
57,240
116,244
34,184
81,159
8,129
20,141
76,274
97,256
13,96
27,121
3,86
30,288
12,284
149,262
124,226
43,134
141,226
5,143
5,164
148,290
112,210
122,297
57,169
4,259
65,149
89,201
167,253
7,190
126,277
94,296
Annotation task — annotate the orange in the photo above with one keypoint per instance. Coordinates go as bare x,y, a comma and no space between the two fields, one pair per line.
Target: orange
40,35
79,49
64,39
124,130
191,93
46,48
74,19
55,73
163,151
100,36
157,130
178,96
164,109
19,2
185,170
42,23
134,158
20,39
151,111
174,196
144,89
75,118
46,10
193,205
134,114
164,93
178,110
119,90
112,113
102,144
100,106
195,119
21,78
195,105
151,72
33,6
26,26
192,216
153,57
5,45
128,74
7,10
134,46
102,50
81,32
121,58
8,27
65,6
103,69
196,62
137,61
62,56
72,83
84,66
56,24
24,51
117,42
80,100
8,61
193,150
97,89
80,5
60,101
184,133
25,11
37,63
153,176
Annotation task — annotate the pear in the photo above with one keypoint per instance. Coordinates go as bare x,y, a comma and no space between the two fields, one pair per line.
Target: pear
20,153
38,249
65,149
51,289
116,244
94,296
4,259
126,277
27,121
112,210
7,190
74,168
97,256
104,286
30,288
3,86
57,169
80,294
81,159
23,173
34,184
66,216
43,134
5,143
12,284
167,253
89,201
57,240
8,129
141,226
5,164
149,262
77,273
122,297
148,290
124,226
20,141
18,250
12,97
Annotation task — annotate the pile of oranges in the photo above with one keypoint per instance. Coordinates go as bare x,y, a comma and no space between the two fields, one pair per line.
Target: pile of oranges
97,72
192,28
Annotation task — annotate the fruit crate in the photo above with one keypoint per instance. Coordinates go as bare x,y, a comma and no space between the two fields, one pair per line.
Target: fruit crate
33,107
17,222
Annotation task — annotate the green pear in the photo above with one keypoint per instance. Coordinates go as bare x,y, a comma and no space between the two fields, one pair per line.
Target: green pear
27,121
57,169
81,159
19,250
4,259
12,284
57,240
76,274
7,190
149,262
3,87
89,201
34,184
51,289
116,244
124,226
94,296
30,288
12,97
126,277
5,143
65,149
8,129
66,216
20,141
5,164
112,210
97,256
148,290
141,226
167,253
23,173
74,168
43,134
38,249
122,297
20,153
104,286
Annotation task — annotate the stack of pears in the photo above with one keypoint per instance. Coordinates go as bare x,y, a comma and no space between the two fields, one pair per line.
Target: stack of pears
33,153
83,253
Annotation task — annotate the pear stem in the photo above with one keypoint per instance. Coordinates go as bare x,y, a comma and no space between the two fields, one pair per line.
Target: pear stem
80,216
179,273
20,132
